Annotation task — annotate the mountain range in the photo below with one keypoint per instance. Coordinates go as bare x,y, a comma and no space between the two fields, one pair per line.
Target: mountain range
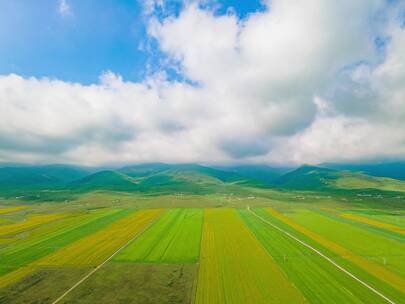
195,178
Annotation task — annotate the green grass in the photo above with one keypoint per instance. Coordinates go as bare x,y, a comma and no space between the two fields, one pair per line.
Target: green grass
174,238
315,277
22,254
363,242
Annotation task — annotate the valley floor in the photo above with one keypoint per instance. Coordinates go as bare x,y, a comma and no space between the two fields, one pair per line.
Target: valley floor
235,250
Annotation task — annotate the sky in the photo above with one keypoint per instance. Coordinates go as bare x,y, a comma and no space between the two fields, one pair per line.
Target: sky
111,82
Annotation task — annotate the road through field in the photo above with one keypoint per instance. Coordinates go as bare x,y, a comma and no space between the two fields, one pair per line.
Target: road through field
324,256
105,261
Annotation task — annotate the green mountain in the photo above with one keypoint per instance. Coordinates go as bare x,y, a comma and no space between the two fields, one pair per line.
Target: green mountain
144,169
52,181
188,178
393,170
318,178
40,176
307,178
350,180
179,169
261,173
103,180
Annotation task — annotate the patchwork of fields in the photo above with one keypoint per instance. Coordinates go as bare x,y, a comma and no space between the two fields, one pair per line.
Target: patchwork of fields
195,255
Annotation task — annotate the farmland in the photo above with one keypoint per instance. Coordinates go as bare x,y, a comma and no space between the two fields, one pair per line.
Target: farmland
175,238
202,152
314,276
275,247
235,267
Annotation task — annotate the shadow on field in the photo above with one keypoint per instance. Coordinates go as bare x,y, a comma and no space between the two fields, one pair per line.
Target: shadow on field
137,283
43,286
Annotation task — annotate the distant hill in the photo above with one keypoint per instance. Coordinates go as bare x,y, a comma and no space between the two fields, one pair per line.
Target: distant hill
144,169
393,170
170,169
318,178
39,181
307,178
157,177
262,173
104,180
37,176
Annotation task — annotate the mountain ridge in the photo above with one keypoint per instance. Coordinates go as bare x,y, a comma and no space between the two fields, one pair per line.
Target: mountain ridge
192,178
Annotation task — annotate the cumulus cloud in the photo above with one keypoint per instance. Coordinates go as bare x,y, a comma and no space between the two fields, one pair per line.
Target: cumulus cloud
294,83
364,117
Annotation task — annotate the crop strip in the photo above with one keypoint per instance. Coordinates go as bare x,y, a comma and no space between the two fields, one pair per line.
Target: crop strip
30,252
325,257
12,209
372,222
175,238
236,268
30,223
103,263
322,228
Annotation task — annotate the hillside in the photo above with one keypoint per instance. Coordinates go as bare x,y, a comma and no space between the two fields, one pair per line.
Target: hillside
104,180
40,176
393,170
318,178
307,178
188,178
144,170
261,173
182,178
362,181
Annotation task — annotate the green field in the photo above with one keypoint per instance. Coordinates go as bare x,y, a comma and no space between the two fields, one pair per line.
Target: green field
319,280
174,238
234,266
33,248
377,249
172,248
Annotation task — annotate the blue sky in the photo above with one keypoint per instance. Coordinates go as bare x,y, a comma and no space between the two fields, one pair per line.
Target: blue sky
102,82
94,36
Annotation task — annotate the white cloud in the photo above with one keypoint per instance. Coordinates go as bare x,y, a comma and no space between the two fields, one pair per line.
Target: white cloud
64,8
364,122
269,89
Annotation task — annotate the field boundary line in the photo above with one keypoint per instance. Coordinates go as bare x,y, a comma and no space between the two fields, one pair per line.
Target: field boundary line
106,261
324,256
193,301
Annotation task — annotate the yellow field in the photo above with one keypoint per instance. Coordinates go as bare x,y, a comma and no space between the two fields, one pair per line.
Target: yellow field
52,228
29,223
12,209
4,221
369,266
94,249
7,241
40,234
372,222
235,268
